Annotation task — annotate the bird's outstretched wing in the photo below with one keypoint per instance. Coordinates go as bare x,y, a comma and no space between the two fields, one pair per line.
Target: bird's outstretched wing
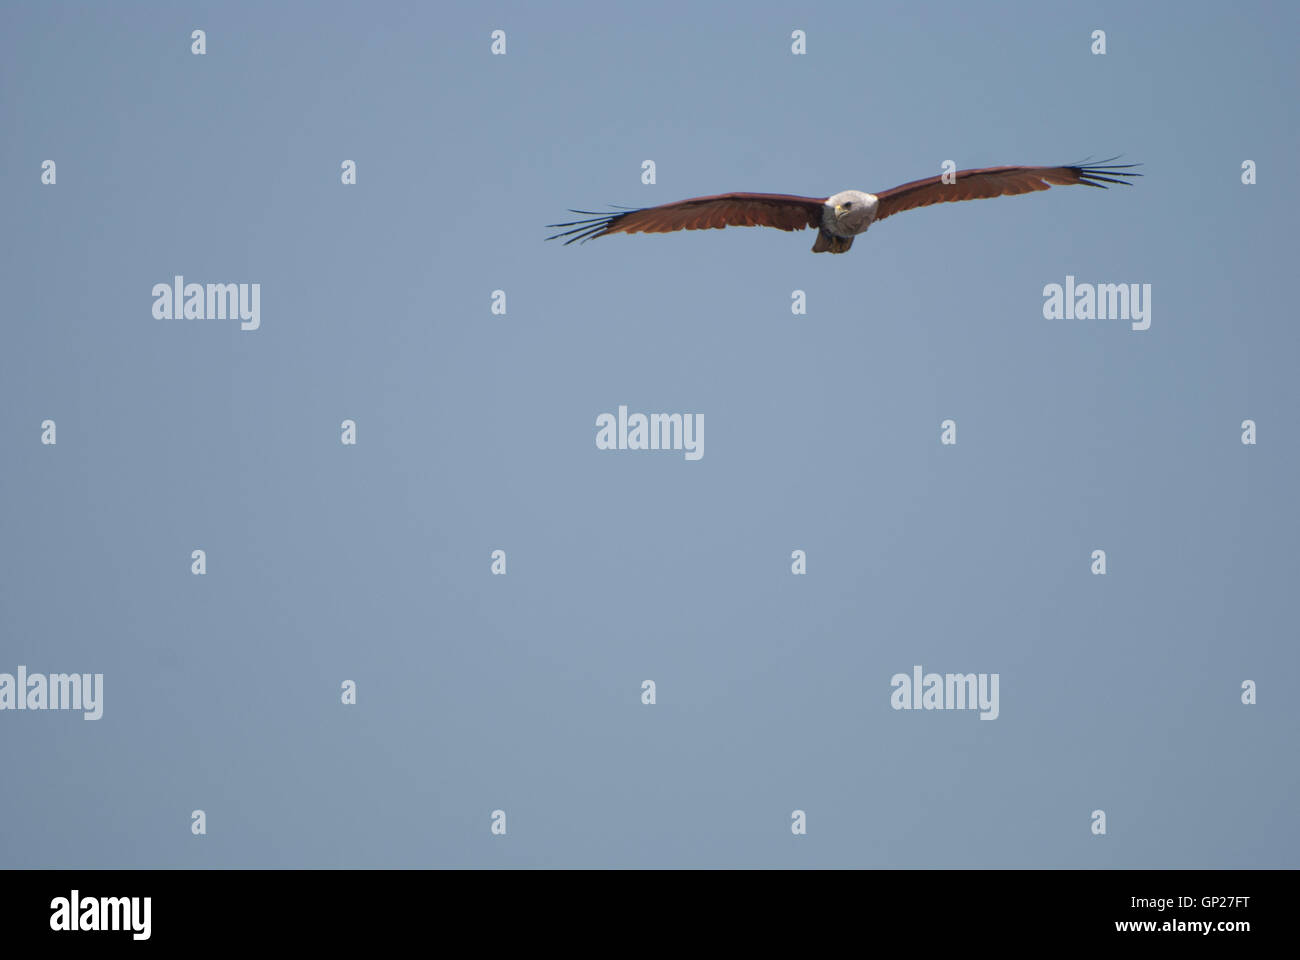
998,182
700,213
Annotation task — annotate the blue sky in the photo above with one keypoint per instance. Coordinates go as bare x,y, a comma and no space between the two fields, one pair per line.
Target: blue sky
476,433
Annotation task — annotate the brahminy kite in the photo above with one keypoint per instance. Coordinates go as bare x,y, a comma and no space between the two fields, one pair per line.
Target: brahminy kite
841,217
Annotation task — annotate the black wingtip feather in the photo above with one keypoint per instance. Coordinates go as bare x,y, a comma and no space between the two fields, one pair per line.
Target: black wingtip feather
594,226
1102,172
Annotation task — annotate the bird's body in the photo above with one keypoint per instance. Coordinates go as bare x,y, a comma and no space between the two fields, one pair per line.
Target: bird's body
842,216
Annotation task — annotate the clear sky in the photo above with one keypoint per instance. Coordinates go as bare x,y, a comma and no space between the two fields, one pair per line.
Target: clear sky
476,432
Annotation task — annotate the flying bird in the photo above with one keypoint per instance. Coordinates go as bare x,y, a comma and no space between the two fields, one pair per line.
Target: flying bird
840,217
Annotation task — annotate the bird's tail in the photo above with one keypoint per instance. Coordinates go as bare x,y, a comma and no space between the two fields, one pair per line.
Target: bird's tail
828,242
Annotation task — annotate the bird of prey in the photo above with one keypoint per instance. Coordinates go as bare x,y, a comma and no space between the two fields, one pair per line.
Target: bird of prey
840,217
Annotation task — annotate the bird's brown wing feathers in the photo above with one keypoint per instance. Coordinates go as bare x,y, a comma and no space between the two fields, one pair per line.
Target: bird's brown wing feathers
778,210
997,182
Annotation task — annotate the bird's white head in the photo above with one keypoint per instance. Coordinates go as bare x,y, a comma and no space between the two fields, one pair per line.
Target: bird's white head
850,212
